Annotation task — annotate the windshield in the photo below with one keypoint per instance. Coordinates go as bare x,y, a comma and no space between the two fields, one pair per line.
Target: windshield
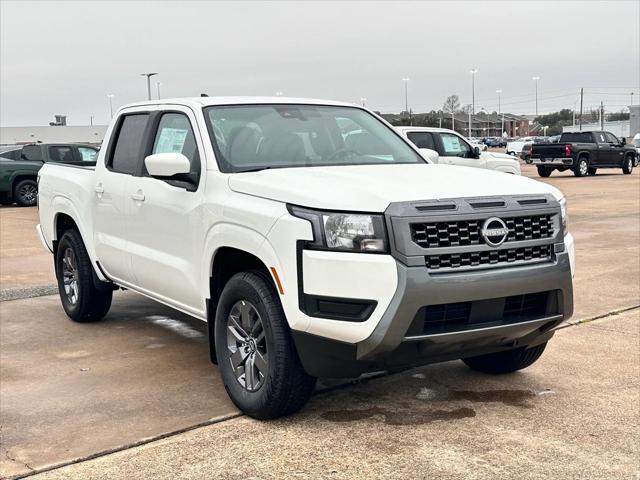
255,137
636,142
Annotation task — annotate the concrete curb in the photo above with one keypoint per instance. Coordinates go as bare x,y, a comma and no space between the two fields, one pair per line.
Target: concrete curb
19,293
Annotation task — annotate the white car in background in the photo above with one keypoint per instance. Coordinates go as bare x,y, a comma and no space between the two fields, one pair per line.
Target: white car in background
477,143
444,146
514,148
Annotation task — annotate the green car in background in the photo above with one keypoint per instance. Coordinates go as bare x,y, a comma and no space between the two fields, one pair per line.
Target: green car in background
19,166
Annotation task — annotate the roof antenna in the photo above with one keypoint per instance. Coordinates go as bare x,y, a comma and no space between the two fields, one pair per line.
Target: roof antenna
204,95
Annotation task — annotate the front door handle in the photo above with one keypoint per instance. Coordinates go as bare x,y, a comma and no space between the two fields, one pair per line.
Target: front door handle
138,196
99,189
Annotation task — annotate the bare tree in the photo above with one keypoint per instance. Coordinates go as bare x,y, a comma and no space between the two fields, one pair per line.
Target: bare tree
451,104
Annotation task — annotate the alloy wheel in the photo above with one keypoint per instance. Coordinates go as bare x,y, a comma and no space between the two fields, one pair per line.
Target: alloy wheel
28,193
247,346
70,276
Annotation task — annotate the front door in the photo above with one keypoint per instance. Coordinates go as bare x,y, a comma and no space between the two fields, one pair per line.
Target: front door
454,150
165,226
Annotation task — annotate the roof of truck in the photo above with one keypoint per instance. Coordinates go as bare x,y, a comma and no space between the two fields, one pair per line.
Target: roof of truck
209,101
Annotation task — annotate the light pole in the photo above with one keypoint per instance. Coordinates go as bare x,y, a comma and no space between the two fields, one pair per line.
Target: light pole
363,100
149,75
544,130
535,79
631,99
499,92
473,90
406,94
469,125
110,97
158,87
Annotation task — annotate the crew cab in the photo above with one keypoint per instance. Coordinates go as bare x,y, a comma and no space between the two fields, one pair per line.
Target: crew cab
19,166
444,146
583,153
312,239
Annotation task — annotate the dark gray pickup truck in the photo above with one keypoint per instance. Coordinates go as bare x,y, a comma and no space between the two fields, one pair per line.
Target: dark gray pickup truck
584,153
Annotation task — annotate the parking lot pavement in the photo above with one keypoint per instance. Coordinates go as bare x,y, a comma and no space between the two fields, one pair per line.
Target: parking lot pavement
70,390
23,260
574,414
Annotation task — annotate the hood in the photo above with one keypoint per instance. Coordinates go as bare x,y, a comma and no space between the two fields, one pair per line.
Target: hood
502,156
371,188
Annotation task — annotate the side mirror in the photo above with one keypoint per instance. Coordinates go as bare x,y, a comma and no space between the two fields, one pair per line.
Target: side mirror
430,155
167,164
623,141
476,151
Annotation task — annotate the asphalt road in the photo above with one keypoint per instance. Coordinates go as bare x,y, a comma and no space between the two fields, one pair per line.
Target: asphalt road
72,391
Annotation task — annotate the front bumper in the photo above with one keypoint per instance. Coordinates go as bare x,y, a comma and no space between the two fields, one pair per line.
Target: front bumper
390,345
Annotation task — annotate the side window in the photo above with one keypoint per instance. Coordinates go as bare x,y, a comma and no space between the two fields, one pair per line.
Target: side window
175,135
454,146
611,138
32,152
61,153
422,139
127,149
600,138
88,154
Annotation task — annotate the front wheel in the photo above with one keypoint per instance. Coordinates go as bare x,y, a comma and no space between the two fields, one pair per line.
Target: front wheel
544,171
257,358
81,299
627,165
25,193
506,362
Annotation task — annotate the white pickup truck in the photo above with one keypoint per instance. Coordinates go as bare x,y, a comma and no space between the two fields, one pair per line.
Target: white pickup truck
444,146
314,241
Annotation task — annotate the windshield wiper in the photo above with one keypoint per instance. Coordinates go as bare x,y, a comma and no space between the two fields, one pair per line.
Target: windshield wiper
255,169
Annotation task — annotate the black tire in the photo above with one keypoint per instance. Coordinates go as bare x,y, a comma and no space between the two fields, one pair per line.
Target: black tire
506,362
82,301
592,171
544,171
286,387
582,167
627,165
25,193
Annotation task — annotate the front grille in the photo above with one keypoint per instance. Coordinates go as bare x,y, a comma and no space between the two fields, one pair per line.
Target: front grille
489,257
451,317
460,233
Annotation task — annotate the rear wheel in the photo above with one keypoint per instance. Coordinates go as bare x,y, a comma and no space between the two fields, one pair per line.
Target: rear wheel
627,165
82,299
258,362
544,171
25,193
506,362
582,167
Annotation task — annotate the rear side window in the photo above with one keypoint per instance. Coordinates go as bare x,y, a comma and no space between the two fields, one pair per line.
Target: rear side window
61,153
32,152
422,139
127,149
11,154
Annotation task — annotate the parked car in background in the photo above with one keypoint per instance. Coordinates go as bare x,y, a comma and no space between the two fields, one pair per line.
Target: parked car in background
495,142
476,142
19,166
514,147
584,153
309,250
449,147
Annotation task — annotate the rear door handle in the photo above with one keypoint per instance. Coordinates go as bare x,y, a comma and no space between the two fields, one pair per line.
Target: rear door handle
138,196
99,189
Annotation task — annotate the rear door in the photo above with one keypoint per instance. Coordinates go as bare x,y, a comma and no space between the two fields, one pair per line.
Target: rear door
164,226
454,150
123,155
605,154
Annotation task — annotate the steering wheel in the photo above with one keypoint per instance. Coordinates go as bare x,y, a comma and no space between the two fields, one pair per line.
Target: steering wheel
343,151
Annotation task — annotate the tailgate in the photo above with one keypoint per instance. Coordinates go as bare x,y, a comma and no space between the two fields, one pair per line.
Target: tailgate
556,150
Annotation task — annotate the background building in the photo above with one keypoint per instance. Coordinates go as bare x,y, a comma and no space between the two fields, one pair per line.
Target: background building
53,134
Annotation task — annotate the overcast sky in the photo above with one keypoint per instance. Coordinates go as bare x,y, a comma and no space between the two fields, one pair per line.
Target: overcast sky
65,57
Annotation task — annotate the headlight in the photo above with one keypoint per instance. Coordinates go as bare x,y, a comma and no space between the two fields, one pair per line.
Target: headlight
351,232
563,213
